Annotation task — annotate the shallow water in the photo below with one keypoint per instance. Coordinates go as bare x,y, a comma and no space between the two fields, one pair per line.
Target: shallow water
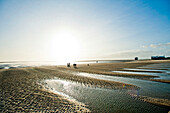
148,88
100,99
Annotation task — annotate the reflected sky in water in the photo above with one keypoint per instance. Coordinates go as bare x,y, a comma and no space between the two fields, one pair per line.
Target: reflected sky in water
107,100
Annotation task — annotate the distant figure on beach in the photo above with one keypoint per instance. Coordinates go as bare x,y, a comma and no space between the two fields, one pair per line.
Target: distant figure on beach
88,65
136,58
96,61
75,65
68,64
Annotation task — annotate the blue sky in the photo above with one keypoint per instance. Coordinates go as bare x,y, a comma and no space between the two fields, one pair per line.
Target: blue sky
83,29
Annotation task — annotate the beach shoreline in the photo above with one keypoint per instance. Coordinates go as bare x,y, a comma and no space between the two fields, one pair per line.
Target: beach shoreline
107,68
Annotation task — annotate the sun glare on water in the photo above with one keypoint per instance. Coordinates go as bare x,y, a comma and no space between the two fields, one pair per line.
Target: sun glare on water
64,47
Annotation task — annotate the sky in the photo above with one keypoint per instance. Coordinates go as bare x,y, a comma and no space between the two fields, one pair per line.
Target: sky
58,30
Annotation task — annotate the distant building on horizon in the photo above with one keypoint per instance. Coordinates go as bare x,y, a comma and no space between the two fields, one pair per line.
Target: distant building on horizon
159,57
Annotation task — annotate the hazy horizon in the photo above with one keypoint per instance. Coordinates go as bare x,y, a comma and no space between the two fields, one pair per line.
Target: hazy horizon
72,30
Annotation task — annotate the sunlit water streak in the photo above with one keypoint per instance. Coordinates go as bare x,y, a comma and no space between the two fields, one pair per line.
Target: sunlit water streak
60,86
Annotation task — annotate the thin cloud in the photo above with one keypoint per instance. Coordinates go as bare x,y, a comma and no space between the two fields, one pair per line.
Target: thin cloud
160,45
130,54
156,45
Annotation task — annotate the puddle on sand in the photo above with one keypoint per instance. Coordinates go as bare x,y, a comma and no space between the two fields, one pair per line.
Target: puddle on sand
146,70
100,99
10,66
61,87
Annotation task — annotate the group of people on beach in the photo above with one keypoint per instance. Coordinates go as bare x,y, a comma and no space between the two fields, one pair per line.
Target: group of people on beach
74,65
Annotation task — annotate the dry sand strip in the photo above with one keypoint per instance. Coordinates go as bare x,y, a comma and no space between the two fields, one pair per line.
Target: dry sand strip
160,80
157,101
19,92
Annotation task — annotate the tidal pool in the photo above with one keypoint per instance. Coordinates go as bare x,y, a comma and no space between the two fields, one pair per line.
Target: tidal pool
109,100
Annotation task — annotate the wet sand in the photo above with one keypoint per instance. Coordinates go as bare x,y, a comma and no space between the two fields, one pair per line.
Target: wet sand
91,82
20,90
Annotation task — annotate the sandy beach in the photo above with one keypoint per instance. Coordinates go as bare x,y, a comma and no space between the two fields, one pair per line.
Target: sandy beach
106,68
21,93
20,90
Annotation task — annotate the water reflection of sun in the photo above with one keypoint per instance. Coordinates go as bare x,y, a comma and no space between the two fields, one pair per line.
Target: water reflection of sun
64,47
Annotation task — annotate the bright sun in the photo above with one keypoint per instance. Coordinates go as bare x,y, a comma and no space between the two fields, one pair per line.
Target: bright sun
64,47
